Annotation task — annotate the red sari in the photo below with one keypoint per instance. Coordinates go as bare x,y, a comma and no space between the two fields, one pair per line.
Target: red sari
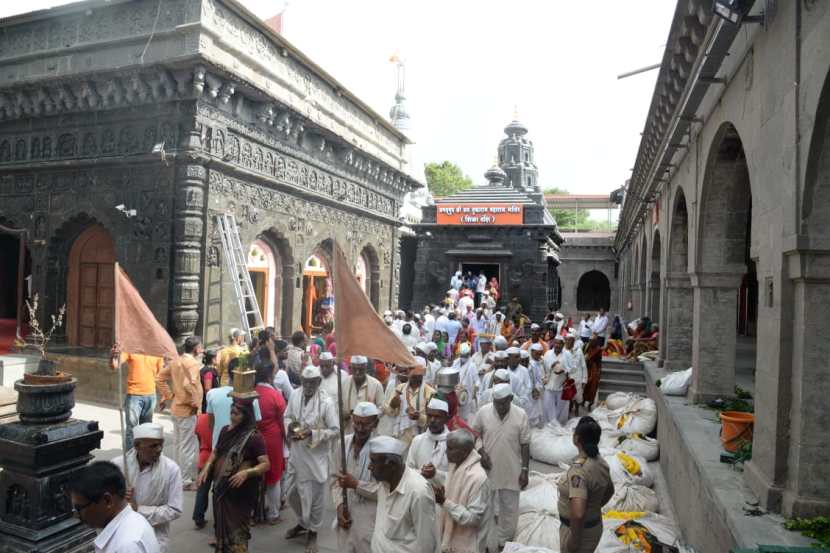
272,409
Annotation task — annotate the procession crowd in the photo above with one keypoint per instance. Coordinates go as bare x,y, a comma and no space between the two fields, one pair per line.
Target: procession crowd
415,459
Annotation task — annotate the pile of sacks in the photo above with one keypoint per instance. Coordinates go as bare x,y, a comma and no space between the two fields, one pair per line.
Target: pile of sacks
626,419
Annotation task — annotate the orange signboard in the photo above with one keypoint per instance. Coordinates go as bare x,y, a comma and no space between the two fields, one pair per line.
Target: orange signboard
480,214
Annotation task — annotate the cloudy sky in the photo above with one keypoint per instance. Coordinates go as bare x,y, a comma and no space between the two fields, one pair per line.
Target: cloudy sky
469,62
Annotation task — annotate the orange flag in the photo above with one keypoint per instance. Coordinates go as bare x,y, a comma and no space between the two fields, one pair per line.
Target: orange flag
359,329
136,328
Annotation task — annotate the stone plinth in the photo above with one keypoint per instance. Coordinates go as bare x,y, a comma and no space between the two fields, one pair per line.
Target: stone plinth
38,460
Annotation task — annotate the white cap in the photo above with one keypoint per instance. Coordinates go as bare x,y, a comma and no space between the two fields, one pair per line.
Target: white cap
148,430
420,361
558,315
358,360
326,356
464,349
421,346
501,391
533,347
558,338
235,332
513,351
366,409
485,340
525,354
534,326
500,341
431,346
502,374
387,445
387,313
438,405
501,355
311,372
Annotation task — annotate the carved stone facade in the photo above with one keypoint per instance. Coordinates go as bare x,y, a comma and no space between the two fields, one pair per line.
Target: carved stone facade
95,115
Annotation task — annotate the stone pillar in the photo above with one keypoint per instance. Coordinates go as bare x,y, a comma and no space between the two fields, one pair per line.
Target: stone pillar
187,249
654,299
714,322
636,299
807,490
676,330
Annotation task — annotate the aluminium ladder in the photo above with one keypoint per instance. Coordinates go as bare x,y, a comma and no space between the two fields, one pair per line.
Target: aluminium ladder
238,268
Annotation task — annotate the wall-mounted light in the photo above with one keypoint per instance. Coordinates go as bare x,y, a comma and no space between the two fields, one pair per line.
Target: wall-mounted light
735,11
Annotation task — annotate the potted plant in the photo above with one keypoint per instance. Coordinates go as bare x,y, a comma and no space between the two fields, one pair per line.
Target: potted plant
47,370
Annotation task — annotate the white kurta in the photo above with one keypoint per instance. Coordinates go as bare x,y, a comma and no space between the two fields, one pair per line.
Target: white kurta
329,385
429,448
310,459
432,371
158,493
468,378
521,384
467,514
535,408
503,439
128,532
362,500
405,521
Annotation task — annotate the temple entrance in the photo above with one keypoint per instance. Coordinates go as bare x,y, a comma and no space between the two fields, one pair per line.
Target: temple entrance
318,297
9,274
263,271
90,289
593,292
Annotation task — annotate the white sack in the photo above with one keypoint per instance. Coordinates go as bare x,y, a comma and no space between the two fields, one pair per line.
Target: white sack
632,497
552,444
620,475
662,527
541,493
676,383
539,529
641,446
639,417
513,547
617,400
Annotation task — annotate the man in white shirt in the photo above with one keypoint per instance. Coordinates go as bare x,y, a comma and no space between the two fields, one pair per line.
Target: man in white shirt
479,324
409,335
311,423
468,384
405,521
600,326
97,492
407,406
433,363
578,370
456,281
536,368
466,517
481,286
505,435
356,524
558,363
585,328
153,480
485,346
453,327
519,378
441,321
466,303
330,373
428,451
361,387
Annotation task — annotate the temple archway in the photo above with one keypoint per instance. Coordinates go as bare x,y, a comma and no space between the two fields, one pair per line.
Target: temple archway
90,289
643,281
676,331
593,292
11,307
318,291
368,259
654,279
263,270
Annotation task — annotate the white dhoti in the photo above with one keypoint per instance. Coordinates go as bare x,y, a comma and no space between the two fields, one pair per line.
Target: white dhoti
536,411
307,499
555,408
187,447
507,517
358,538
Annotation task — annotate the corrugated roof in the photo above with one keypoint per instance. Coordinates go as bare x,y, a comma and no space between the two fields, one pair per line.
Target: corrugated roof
487,194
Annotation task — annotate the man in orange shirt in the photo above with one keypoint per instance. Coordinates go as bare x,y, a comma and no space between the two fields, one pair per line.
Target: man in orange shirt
140,401
186,403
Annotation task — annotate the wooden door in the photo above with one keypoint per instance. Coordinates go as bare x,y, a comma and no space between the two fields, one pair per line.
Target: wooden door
91,290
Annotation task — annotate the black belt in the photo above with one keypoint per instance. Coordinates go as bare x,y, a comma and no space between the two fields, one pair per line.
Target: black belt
587,524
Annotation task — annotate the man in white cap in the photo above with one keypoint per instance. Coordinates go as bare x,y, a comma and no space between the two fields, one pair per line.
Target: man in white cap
600,326
559,319
433,363
485,346
536,368
407,406
405,521
329,373
485,394
557,363
468,382
398,375
310,423
356,523
500,343
466,517
535,338
578,370
154,481
479,324
519,378
428,451
361,387
429,321
505,435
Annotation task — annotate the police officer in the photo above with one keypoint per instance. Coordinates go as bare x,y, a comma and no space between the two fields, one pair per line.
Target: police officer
585,489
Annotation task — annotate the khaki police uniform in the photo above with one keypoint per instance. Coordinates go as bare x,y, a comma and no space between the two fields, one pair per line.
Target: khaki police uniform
588,479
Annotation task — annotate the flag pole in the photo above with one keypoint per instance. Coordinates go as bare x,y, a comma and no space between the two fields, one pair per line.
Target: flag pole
120,400
334,254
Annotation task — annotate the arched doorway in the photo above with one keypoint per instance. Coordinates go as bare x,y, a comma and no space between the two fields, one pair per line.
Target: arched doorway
90,291
676,331
725,293
262,267
15,280
643,282
593,292
654,280
369,260
318,293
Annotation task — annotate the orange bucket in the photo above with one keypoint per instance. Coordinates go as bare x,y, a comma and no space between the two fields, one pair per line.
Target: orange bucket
736,429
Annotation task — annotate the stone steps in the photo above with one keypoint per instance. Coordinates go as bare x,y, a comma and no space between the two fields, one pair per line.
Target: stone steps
621,375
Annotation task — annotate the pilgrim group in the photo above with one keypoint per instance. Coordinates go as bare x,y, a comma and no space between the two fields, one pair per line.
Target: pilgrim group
428,458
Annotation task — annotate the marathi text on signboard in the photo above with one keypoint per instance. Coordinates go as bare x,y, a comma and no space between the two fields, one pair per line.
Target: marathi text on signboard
480,214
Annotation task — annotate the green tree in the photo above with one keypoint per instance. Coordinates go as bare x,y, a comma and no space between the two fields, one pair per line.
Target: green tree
568,219
446,178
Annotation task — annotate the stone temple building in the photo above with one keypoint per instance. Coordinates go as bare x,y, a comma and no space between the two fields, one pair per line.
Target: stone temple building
502,228
127,127
724,238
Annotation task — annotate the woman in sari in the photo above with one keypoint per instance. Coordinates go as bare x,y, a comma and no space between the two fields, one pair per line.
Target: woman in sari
236,466
593,360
